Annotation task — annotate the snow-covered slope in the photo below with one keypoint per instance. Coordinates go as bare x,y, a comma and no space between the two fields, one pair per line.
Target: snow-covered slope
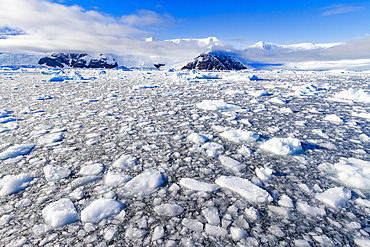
295,47
74,60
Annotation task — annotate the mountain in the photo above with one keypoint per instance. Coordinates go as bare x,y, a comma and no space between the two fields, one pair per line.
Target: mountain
216,60
295,47
75,60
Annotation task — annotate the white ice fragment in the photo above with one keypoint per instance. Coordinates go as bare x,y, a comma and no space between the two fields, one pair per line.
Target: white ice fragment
51,138
135,233
278,100
42,97
192,224
115,179
170,210
335,197
364,138
193,184
264,174
125,161
362,242
158,233
237,233
10,184
84,180
301,243
16,150
306,209
286,110
363,202
197,138
110,233
283,146
245,188
5,219
55,173
352,94
285,201
244,151
231,164
144,183
60,213
212,146
91,170
215,231
239,136
276,231
216,105
333,118
353,172
211,215
282,211
100,209
324,241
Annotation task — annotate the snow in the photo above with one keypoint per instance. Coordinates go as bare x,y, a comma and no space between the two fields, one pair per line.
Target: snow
283,146
333,118
197,138
264,174
197,185
60,213
10,184
335,197
231,163
169,210
56,173
245,188
351,94
91,170
216,105
100,209
125,161
307,209
239,136
16,150
115,179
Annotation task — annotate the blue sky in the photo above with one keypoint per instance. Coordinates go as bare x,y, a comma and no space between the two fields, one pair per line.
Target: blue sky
247,22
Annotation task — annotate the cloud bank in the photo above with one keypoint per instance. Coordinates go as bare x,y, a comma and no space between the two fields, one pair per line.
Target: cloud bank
339,9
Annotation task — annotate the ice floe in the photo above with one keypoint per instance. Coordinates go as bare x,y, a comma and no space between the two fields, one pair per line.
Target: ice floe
217,105
194,184
10,184
56,173
170,210
283,146
60,213
100,209
16,150
239,136
335,197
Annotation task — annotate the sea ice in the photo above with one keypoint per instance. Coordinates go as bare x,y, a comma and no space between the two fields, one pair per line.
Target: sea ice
194,184
51,138
283,146
192,224
91,170
305,208
16,150
10,184
170,210
245,188
216,105
239,136
115,179
125,161
231,164
56,173
352,94
60,213
144,183
197,138
211,215
215,230
335,197
264,174
100,209
333,118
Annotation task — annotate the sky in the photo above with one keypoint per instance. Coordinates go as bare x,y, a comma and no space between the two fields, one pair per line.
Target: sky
121,26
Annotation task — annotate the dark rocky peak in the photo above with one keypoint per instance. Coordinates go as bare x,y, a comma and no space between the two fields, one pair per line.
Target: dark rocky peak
216,60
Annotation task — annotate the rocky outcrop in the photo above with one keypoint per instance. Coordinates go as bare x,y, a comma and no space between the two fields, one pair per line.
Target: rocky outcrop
215,61
74,60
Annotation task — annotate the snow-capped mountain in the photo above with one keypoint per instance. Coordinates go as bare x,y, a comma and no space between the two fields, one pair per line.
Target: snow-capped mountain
216,60
295,47
206,42
74,60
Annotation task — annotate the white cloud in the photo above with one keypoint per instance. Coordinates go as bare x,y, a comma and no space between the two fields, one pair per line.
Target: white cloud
145,17
339,9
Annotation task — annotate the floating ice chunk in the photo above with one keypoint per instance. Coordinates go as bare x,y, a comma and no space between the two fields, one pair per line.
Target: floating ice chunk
278,100
16,150
237,233
285,201
193,184
194,225
4,113
245,188
352,172
170,210
352,94
125,161
42,97
244,151
100,209
144,183
115,179
211,215
91,170
283,146
363,202
13,183
364,138
258,93
275,230
301,243
215,231
361,114
60,213
110,233
239,136
324,240
84,180
235,92
158,233
197,138
264,173
135,233
212,146
231,164
335,197
251,213
216,105
362,242
51,138
282,211
304,208
333,118
56,173
286,110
